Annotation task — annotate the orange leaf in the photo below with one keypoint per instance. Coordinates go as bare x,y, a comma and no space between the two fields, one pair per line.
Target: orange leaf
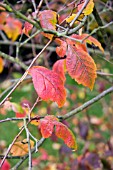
61,50
12,28
47,126
48,20
1,65
48,85
59,68
92,40
20,148
78,44
27,28
66,135
3,16
88,9
80,66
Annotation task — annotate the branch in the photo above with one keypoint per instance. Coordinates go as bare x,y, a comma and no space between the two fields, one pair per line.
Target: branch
13,60
78,14
11,119
39,143
87,104
71,31
29,145
99,28
10,157
103,31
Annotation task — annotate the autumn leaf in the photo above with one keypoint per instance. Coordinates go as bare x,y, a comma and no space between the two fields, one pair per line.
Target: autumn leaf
12,28
80,66
47,126
48,85
5,166
61,49
1,65
88,9
27,28
20,148
3,16
48,20
69,19
88,39
66,135
60,68
91,40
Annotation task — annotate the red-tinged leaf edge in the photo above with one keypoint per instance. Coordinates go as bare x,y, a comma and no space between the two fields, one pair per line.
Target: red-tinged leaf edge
60,68
61,49
48,85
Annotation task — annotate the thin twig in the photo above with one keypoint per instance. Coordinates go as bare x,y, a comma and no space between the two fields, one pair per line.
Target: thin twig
29,145
39,143
104,74
74,30
25,74
12,119
11,157
39,6
87,104
103,31
78,14
96,29
13,60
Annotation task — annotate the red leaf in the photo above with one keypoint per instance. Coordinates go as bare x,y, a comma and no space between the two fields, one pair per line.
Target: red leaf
48,20
48,85
78,44
6,166
27,28
80,66
47,125
89,39
59,68
61,50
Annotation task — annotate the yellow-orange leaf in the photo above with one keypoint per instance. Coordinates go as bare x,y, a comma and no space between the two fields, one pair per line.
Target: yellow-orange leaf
1,64
92,40
20,148
73,16
89,8
48,85
12,28
81,66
